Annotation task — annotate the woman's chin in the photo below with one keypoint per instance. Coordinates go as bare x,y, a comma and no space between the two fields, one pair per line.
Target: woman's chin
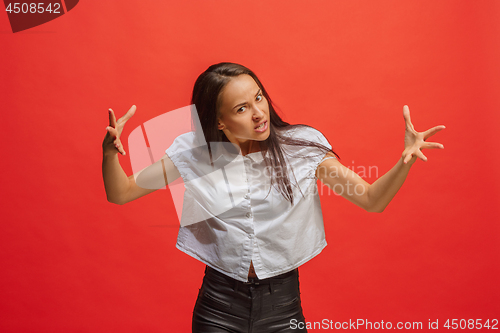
264,136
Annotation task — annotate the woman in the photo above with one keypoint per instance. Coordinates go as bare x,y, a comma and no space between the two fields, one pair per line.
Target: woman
271,222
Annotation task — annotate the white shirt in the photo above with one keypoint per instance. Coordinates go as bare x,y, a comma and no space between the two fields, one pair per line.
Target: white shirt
263,226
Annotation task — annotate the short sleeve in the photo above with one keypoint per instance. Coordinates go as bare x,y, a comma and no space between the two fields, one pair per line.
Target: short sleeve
180,152
306,158
191,158
182,143
327,158
320,138
324,142
316,136
308,133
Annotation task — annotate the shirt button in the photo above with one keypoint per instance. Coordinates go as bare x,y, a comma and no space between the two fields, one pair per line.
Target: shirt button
246,196
249,215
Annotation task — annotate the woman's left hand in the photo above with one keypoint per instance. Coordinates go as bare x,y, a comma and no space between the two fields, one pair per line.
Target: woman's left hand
415,141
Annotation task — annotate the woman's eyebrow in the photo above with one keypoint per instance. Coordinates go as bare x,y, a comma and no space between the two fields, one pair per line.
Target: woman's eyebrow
257,94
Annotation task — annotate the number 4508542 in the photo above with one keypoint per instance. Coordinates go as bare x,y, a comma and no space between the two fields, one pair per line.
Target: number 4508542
33,8
471,324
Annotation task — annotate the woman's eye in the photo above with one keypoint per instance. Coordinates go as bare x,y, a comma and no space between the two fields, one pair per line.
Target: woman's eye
259,98
241,109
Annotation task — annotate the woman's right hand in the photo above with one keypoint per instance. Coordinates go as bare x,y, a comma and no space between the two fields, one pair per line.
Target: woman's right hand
112,142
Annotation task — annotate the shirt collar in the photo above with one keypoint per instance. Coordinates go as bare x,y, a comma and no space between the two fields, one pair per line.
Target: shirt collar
228,152
257,156
223,151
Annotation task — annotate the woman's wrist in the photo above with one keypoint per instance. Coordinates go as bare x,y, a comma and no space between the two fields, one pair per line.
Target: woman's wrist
410,162
107,153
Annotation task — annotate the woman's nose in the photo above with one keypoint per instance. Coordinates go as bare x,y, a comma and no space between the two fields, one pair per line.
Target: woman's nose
257,113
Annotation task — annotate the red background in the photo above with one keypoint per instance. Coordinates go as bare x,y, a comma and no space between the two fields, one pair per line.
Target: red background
72,262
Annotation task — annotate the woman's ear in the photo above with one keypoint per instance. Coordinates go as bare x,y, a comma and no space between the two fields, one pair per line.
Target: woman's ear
220,125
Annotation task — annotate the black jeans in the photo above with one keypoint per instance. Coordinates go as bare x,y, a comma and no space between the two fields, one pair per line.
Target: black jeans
264,306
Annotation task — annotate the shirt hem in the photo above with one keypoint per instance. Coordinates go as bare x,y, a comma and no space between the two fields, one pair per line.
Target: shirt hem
294,266
197,257
261,276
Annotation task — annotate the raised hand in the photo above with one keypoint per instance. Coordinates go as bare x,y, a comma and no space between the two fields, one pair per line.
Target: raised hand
416,141
114,130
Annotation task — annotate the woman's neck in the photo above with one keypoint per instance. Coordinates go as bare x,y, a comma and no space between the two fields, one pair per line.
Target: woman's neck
249,147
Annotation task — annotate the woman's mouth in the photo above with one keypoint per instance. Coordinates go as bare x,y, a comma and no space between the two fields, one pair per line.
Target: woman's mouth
262,127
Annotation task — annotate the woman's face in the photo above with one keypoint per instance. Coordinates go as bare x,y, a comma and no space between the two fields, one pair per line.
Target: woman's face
243,112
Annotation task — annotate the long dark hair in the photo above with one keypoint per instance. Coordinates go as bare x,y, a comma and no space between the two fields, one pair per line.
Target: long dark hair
206,92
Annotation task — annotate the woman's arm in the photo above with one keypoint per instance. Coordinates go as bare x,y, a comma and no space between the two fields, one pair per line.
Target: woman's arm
116,182
371,197
375,197
121,189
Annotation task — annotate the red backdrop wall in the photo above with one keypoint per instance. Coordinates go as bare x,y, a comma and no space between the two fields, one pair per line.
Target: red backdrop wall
72,262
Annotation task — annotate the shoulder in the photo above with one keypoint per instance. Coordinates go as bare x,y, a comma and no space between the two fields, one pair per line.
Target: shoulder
189,155
307,133
183,142
188,137
300,130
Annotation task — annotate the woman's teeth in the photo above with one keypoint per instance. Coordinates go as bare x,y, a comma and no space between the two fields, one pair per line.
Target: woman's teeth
261,126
